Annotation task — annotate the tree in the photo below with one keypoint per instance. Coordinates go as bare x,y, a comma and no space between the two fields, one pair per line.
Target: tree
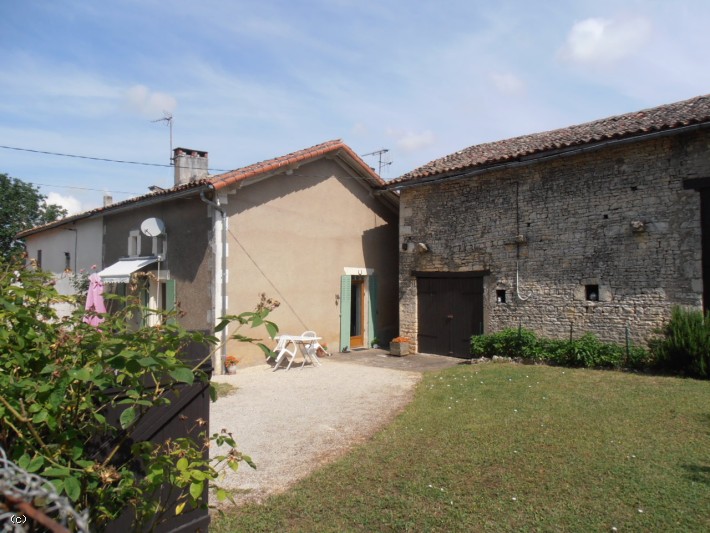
22,207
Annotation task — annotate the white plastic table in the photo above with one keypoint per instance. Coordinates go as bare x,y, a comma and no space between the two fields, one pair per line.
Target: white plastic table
300,343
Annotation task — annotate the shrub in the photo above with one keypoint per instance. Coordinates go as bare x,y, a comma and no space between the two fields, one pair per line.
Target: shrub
62,381
587,351
590,352
507,343
684,343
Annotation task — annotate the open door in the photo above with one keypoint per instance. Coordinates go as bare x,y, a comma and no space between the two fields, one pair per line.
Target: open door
358,310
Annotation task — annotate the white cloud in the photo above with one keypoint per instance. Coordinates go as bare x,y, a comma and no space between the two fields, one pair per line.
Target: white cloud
71,204
508,83
409,141
149,103
599,41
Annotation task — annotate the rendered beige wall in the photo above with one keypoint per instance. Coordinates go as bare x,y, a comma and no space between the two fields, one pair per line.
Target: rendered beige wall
291,237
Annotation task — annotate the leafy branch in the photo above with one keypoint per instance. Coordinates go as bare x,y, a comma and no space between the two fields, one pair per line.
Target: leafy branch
73,398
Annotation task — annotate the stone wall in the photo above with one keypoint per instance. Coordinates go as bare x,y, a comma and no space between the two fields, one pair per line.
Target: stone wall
615,221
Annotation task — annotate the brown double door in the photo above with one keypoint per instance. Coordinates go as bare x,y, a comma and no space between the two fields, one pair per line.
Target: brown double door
450,311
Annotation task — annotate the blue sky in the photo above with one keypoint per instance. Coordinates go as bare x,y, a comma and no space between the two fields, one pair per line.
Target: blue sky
251,80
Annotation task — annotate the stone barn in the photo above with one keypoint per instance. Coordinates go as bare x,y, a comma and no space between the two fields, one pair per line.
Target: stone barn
593,228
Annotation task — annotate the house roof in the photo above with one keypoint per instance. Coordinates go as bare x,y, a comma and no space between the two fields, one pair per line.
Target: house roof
334,148
292,160
99,211
694,111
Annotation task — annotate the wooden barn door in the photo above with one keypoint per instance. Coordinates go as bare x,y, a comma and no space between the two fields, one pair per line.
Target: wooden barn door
450,311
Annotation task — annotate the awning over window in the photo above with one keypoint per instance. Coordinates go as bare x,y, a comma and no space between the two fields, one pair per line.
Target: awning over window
121,271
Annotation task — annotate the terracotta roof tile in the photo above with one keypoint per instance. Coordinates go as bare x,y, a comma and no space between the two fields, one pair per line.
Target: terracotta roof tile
229,178
107,209
666,117
295,158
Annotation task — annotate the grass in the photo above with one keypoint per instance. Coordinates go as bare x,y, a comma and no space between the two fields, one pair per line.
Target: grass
502,447
224,389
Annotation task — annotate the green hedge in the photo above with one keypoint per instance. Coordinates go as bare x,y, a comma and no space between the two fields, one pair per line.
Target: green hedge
587,351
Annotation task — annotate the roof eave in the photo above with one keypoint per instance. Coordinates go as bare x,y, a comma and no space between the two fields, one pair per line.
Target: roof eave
119,207
537,157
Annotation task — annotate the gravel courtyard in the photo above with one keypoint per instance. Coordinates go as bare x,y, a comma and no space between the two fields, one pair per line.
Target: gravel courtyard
292,422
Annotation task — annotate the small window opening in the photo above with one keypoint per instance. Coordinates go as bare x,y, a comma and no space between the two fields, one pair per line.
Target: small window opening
39,258
606,217
634,188
67,261
500,296
592,293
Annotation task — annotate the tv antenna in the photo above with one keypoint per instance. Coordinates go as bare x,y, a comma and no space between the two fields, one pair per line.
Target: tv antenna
381,163
168,119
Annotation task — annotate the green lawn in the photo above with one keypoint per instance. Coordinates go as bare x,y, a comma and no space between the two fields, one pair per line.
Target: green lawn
502,447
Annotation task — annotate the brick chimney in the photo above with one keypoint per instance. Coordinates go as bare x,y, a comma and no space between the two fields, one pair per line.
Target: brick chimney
190,165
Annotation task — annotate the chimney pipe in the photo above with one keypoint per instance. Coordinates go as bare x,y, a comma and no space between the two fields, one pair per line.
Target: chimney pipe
108,200
190,165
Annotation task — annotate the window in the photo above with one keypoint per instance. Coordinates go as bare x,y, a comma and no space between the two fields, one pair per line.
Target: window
160,296
591,293
134,244
67,261
160,246
500,296
39,258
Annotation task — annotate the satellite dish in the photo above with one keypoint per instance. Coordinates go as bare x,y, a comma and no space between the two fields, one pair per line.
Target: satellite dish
152,227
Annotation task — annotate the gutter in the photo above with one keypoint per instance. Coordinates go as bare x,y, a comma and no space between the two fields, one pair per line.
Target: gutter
544,156
220,276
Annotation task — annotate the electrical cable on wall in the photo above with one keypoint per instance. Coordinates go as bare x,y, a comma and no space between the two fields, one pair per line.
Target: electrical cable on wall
517,246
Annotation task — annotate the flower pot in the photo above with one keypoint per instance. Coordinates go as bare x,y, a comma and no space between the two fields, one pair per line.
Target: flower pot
232,369
399,348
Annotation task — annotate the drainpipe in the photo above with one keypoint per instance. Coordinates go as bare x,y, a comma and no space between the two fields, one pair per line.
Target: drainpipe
221,277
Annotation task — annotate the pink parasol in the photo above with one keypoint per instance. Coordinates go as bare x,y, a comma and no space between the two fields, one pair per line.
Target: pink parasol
95,300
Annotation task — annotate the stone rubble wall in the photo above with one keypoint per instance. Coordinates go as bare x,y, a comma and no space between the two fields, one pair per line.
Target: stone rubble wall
618,218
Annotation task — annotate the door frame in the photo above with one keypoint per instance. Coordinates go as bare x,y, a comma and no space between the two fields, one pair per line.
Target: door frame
369,305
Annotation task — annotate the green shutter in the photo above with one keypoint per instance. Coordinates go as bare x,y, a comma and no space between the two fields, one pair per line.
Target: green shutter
144,299
345,288
170,300
372,310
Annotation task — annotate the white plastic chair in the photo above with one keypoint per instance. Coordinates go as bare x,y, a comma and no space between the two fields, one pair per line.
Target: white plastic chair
310,348
282,348
315,343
